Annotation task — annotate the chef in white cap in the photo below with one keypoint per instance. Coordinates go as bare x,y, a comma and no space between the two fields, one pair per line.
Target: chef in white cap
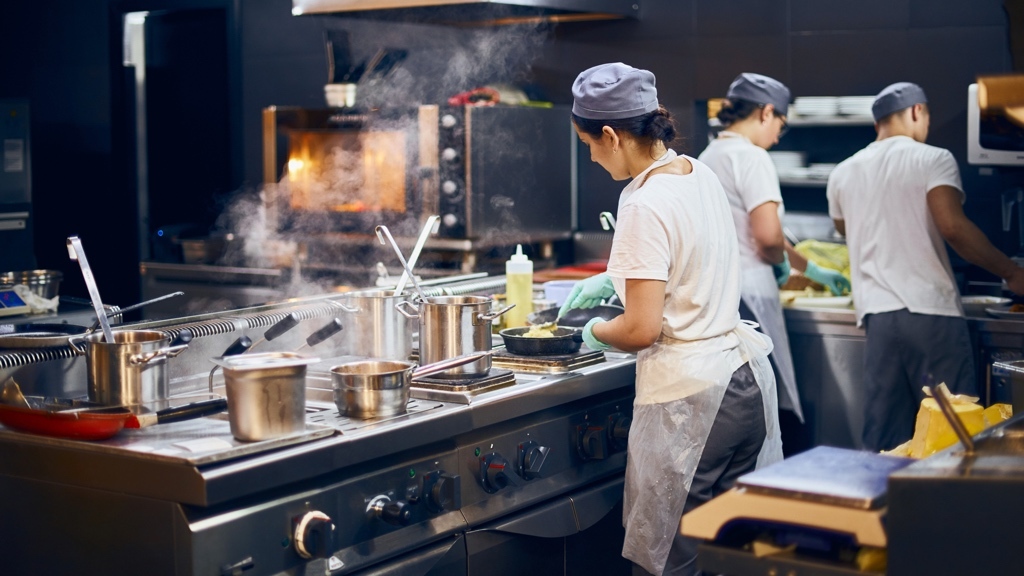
705,407
754,118
899,201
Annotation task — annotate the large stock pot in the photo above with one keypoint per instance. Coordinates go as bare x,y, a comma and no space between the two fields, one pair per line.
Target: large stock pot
453,326
374,327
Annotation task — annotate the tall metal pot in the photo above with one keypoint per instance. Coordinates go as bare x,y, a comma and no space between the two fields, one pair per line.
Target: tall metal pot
453,326
374,328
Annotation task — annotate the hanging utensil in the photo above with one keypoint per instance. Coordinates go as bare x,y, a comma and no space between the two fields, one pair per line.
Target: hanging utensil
431,226
381,232
134,307
76,252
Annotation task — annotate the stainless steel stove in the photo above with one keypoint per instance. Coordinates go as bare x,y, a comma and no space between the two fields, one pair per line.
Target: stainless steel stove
461,390
554,364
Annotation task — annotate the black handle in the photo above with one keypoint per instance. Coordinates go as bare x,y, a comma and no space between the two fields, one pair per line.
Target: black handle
332,328
184,337
240,345
193,410
283,325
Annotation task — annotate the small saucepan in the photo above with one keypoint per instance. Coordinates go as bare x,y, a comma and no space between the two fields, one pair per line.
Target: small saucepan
375,388
563,340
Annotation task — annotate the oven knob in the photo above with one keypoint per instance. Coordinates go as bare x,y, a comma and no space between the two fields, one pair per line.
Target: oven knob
443,491
593,443
495,472
395,512
448,121
531,459
449,155
314,535
618,430
450,188
450,220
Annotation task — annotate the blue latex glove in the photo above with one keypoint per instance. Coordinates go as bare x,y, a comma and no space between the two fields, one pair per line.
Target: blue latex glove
832,279
781,270
588,335
588,293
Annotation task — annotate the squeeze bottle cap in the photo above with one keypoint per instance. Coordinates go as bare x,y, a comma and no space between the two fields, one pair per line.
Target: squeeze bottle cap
518,263
519,256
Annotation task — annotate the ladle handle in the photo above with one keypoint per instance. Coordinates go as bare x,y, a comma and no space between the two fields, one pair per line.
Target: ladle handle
401,307
76,252
492,315
449,363
383,231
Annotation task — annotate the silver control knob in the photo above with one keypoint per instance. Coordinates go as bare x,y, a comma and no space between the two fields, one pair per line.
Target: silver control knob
396,512
449,187
449,154
450,220
448,121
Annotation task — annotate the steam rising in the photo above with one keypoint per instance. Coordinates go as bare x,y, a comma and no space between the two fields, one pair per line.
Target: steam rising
446,61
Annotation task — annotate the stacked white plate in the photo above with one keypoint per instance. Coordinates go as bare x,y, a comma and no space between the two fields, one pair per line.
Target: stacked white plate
816,106
820,171
855,105
789,164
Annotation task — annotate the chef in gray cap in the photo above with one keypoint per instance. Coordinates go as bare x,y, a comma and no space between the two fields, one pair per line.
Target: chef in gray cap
899,201
754,118
706,408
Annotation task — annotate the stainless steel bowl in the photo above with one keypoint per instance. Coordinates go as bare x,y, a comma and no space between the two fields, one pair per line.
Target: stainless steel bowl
43,283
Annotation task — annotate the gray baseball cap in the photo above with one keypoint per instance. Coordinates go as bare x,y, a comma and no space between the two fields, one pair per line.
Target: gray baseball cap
760,89
896,97
614,91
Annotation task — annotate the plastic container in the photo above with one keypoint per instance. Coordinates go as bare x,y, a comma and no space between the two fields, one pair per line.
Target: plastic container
558,290
518,288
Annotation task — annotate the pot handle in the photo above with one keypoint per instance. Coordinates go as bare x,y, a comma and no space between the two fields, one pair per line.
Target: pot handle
344,307
75,342
170,352
443,365
401,310
492,315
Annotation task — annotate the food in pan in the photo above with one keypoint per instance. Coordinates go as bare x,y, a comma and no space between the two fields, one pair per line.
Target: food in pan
540,331
1017,308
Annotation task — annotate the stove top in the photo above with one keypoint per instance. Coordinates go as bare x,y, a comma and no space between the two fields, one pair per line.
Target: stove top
461,390
555,364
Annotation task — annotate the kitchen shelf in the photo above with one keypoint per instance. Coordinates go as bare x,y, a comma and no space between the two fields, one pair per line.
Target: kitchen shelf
830,121
803,182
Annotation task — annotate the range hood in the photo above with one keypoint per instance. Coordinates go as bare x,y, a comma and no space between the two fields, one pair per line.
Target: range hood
479,12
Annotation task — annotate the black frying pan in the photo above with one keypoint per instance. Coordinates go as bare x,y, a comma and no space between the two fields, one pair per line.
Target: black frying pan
564,340
577,317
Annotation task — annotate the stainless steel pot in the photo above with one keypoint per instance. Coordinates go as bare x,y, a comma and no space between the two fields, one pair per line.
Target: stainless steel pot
130,370
266,394
451,326
377,388
374,328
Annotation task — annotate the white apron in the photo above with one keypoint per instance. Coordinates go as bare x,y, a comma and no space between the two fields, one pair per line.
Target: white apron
760,292
679,389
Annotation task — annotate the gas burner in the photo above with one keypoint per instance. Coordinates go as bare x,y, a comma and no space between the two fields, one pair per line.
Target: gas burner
461,390
555,364
328,415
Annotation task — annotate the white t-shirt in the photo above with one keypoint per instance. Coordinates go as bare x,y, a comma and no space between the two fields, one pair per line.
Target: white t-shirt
749,179
677,228
898,259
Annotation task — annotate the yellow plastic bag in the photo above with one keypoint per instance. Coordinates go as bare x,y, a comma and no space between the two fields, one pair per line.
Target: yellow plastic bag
827,254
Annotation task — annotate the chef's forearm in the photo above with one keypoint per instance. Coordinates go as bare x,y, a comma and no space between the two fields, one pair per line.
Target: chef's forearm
796,260
972,245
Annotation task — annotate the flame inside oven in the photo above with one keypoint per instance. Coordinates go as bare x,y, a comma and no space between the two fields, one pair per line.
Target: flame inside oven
349,171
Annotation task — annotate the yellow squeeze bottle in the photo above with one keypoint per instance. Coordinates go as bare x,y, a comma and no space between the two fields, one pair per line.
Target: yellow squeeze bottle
518,288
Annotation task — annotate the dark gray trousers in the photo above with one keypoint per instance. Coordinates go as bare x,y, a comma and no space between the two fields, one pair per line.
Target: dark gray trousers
902,349
731,450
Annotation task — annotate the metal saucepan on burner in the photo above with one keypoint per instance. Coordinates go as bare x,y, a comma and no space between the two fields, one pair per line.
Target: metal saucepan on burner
375,328
129,368
563,340
454,325
375,388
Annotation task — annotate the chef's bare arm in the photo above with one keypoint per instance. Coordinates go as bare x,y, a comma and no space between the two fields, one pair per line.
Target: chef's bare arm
840,226
968,240
766,229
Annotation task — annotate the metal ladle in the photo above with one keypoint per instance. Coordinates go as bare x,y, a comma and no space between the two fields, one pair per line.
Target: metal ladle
76,252
383,231
429,227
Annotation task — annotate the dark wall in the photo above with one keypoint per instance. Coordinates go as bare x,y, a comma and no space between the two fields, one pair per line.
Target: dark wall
66,61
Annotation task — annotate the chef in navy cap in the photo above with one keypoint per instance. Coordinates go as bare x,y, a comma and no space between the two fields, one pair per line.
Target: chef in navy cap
705,409
899,202
753,118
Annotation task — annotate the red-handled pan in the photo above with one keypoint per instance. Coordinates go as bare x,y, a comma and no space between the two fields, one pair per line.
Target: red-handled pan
64,420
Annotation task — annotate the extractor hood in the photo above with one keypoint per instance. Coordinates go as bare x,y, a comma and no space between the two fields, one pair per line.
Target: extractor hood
480,12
